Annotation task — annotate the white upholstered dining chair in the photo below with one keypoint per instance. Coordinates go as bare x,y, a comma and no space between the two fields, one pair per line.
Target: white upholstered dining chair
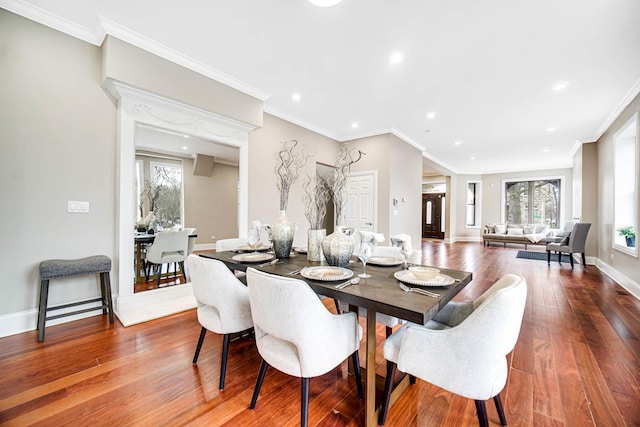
223,304
297,335
463,349
168,247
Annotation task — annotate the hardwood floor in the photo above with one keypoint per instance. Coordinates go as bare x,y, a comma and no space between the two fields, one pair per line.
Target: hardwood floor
577,363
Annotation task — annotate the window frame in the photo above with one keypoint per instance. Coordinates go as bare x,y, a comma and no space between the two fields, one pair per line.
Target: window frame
632,125
477,203
562,201
171,163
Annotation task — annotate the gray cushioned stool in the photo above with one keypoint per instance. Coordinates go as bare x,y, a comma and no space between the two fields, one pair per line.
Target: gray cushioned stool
55,268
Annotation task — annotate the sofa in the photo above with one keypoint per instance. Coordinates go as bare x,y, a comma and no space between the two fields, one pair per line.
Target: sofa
524,234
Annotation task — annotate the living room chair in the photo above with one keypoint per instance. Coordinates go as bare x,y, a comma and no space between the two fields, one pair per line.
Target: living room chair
297,335
168,247
463,349
574,243
223,304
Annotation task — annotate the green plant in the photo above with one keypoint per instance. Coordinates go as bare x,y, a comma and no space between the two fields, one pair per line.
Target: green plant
627,231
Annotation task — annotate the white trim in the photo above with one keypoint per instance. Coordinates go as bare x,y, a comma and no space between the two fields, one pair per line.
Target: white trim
205,247
624,103
138,107
269,109
149,305
626,282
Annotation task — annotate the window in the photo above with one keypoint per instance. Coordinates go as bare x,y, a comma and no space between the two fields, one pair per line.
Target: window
165,191
625,144
533,201
473,201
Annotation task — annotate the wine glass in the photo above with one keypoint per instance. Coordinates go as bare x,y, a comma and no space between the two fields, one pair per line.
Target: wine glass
253,237
363,255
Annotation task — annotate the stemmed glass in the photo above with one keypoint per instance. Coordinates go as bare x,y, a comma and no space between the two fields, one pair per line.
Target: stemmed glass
253,237
363,255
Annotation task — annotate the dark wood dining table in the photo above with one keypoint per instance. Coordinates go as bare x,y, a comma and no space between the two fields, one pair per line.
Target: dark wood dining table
378,294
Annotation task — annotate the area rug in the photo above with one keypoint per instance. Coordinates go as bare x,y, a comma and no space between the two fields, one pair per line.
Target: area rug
541,256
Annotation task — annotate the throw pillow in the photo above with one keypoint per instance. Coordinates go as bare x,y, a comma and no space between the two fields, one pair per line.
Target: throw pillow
530,229
542,228
491,228
501,228
515,231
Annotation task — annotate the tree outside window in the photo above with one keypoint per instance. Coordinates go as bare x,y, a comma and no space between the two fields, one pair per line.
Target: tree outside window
533,202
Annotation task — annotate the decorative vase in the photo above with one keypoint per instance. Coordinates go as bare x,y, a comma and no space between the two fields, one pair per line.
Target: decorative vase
338,248
282,233
314,244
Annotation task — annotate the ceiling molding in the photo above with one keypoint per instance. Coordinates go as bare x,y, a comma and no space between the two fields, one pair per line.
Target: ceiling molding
624,103
309,126
50,20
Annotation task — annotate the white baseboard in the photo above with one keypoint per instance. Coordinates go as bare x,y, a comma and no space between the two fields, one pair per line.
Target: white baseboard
205,247
465,239
626,282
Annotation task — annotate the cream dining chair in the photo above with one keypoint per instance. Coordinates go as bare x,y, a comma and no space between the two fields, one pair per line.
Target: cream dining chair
297,335
168,247
463,349
223,304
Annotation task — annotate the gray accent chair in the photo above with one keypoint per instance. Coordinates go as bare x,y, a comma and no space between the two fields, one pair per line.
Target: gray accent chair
223,304
574,243
463,349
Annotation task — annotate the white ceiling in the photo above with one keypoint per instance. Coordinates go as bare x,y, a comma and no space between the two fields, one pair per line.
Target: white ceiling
486,68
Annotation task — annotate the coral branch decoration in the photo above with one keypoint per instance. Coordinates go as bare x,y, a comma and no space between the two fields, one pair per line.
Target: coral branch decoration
315,197
289,162
338,182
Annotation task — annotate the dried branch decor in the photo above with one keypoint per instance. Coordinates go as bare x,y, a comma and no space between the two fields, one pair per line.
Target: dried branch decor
288,166
315,197
338,182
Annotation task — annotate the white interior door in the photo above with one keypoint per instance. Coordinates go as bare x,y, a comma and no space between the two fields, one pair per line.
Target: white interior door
360,212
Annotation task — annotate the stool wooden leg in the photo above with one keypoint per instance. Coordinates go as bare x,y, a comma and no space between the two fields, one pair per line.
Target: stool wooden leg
42,308
105,281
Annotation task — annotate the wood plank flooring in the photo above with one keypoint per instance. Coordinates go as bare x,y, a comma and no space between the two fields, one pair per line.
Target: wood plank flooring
577,363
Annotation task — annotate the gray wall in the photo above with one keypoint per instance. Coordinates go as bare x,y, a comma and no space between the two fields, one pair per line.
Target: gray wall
57,144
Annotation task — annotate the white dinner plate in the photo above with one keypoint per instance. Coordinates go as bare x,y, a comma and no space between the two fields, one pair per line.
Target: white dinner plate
248,248
408,277
384,261
252,257
326,274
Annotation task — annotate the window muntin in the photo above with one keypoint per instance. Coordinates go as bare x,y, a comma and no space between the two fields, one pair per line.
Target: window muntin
533,202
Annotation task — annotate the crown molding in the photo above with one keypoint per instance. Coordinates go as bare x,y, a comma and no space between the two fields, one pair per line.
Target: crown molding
107,27
624,103
302,123
51,20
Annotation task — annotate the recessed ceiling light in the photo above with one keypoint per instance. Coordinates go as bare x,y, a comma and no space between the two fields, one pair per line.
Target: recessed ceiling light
354,125
431,115
472,158
295,96
457,143
545,150
324,3
396,57
560,86
184,147
185,136
551,129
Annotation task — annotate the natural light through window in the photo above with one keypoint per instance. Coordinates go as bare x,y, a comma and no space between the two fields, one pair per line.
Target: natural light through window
473,204
626,187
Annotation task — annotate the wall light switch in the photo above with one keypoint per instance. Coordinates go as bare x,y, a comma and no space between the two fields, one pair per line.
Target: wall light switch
78,207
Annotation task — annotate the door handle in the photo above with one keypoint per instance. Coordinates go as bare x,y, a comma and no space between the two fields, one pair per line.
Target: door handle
368,223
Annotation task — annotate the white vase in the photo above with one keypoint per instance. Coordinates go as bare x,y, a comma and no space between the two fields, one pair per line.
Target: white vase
282,233
314,244
338,248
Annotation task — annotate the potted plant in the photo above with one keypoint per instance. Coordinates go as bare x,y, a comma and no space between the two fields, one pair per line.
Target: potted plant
629,234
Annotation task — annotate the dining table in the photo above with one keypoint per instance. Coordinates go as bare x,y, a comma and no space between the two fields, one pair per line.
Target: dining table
379,293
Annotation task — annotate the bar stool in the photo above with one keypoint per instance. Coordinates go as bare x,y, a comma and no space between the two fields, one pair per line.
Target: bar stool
55,268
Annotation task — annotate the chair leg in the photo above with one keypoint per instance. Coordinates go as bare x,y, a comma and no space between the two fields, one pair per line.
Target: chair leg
412,379
386,395
105,283
337,306
42,308
304,411
203,332
571,259
184,273
584,260
500,409
256,390
481,409
548,257
223,365
388,331
159,266
356,373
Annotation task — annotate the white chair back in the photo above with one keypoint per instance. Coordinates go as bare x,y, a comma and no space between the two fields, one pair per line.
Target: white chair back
230,244
168,246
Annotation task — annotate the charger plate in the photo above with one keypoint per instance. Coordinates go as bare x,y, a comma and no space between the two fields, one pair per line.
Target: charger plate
253,257
385,261
326,274
407,277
